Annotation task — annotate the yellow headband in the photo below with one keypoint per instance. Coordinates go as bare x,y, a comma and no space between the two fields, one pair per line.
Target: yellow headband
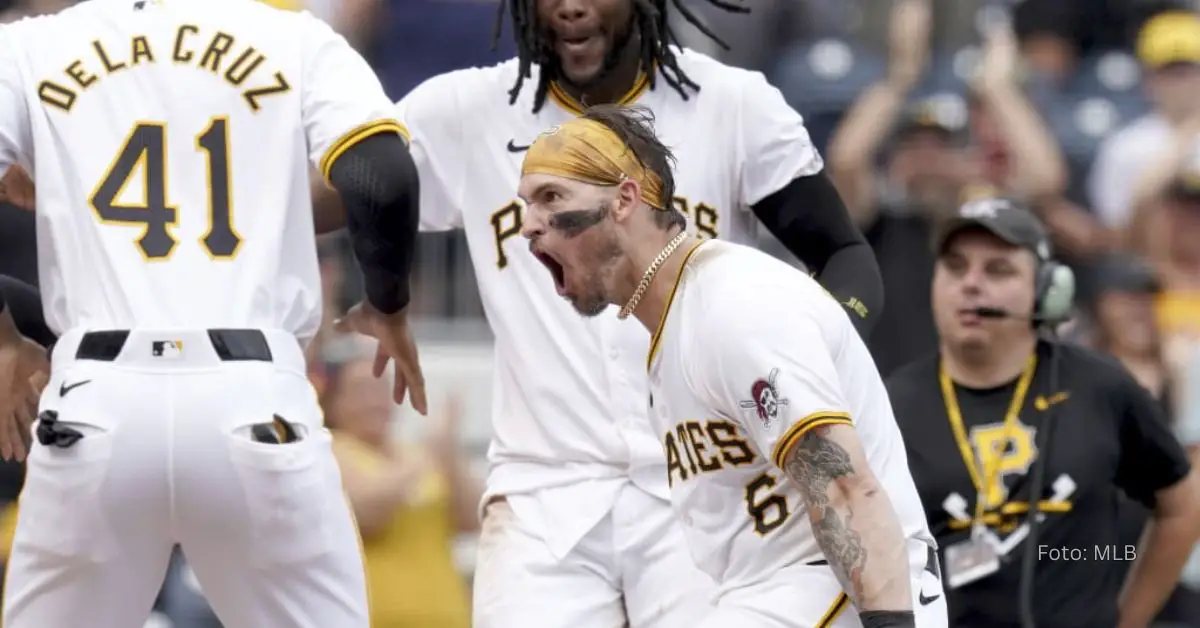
588,151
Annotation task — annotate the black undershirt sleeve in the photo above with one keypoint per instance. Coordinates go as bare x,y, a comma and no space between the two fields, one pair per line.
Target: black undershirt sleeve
810,219
25,304
377,181
1151,457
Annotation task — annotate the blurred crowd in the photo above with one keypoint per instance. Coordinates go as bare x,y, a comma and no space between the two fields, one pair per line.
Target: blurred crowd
1087,110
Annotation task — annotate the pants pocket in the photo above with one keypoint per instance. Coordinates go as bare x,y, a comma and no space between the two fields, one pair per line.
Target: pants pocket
291,490
60,510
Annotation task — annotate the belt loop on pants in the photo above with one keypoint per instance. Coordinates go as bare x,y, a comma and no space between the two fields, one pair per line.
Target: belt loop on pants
231,345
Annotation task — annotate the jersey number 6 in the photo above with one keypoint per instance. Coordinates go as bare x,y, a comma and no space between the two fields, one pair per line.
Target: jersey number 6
768,510
146,147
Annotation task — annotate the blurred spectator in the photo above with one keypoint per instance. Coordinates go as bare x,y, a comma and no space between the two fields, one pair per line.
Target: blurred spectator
1125,324
1167,232
1015,154
956,24
1126,329
1012,149
1169,49
410,502
922,174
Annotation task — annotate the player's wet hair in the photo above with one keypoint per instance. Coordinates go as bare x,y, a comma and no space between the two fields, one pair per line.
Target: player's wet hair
649,17
635,126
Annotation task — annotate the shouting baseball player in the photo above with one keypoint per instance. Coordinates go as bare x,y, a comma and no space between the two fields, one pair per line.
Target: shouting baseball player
577,531
168,141
785,464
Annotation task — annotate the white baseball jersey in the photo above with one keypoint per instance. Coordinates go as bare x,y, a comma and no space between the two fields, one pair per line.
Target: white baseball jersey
751,354
170,143
570,394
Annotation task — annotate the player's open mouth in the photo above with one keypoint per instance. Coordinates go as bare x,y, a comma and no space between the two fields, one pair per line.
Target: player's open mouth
556,271
577,44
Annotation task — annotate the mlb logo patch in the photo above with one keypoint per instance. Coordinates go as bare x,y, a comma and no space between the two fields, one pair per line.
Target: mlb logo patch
166,348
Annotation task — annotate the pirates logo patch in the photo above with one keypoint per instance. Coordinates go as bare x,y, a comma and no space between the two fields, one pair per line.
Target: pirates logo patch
765,398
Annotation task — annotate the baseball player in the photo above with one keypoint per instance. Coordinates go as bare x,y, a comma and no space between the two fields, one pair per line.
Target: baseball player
785,464
170,145
577,531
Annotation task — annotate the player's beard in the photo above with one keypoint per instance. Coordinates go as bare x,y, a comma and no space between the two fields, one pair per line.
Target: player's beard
612,59
594,296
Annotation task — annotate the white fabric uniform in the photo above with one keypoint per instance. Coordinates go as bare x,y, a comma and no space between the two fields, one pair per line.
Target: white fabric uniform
170,143
779,356
569,410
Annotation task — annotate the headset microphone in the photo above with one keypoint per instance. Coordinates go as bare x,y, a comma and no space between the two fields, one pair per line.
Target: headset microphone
992,312
999,312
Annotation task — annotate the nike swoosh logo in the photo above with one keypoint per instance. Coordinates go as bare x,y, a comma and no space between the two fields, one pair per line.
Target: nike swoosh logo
513,148
64,388
926,601
1042,403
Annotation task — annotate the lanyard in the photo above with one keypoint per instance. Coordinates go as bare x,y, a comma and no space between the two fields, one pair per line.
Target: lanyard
983,478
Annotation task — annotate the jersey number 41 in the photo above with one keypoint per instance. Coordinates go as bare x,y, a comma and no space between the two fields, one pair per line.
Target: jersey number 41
146,149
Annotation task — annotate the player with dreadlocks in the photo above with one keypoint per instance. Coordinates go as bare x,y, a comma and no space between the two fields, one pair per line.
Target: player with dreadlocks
654,35
577,527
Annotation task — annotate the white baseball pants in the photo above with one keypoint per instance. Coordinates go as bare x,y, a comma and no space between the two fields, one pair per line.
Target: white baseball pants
630,571
166,456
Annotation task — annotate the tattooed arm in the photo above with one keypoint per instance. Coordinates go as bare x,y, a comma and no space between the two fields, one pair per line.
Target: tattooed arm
852,517
773,360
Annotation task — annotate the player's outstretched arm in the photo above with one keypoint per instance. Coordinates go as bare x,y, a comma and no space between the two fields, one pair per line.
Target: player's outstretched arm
377,181
852,518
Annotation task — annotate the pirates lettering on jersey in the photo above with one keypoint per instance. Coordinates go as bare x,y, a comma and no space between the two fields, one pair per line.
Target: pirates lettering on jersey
506,223
220,53
696,447
701,215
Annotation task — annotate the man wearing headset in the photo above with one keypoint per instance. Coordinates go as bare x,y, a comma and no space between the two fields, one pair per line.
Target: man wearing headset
1001,413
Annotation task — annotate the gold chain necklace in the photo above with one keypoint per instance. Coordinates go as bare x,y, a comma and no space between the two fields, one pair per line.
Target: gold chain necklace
648,276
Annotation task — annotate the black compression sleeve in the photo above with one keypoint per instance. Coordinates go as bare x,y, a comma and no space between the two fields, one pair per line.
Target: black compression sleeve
25,305
810,219
377,181
887,619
